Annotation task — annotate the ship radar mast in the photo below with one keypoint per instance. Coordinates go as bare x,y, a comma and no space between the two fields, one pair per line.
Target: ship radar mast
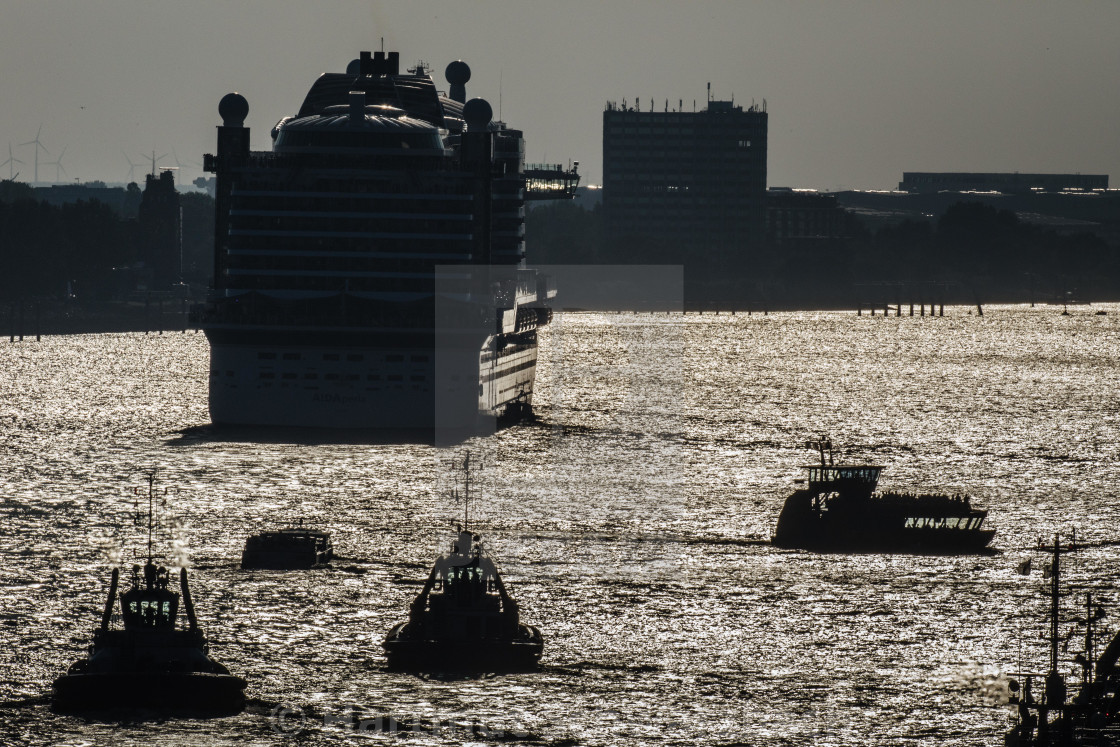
821,445
151,477
465,465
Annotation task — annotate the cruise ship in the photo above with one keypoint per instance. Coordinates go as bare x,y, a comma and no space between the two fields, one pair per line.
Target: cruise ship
369,269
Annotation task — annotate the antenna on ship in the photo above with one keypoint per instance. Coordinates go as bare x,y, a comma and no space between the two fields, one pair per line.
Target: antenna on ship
821,445
151,476
466,466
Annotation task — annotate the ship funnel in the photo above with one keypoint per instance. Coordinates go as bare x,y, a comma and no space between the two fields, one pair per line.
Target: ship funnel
457,74
357,106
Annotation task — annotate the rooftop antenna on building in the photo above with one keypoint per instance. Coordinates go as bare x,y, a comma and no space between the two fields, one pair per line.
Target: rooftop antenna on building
11,163
709,91
156,159
37,145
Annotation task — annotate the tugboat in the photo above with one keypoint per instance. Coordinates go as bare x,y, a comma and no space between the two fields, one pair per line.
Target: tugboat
290,548
464,620
839,511
1092,716
150,663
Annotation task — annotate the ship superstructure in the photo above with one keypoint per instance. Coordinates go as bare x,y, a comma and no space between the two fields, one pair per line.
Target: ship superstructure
369,269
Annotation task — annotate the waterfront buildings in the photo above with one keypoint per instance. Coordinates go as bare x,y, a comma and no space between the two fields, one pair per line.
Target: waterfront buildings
686,187
926,182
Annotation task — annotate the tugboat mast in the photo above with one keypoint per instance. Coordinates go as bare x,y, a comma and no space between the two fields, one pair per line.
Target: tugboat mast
151,476
1055,572
465,466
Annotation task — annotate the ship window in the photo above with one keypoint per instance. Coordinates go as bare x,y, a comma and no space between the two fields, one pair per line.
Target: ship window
373,377
288,376
332,377
291,356
419,359
417,378
394,358
395,377
311,376
267,375
330,356
355,357
266,356
352,377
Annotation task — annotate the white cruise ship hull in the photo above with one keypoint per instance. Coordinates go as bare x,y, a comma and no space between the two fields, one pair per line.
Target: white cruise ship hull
367,388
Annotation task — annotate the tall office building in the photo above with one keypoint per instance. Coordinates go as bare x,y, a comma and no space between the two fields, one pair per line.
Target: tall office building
686,187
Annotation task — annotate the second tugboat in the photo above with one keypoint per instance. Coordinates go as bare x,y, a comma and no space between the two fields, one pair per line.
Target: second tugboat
1050,717
839,511
150,664
464,620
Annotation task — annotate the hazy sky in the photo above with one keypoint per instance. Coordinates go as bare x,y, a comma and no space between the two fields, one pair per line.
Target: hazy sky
857,92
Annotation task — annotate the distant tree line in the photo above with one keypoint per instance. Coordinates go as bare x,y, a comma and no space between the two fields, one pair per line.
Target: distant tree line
971,252
990,254
86,248
975,250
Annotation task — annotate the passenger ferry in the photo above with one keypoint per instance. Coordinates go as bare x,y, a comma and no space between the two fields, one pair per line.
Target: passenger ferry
369,269
839,510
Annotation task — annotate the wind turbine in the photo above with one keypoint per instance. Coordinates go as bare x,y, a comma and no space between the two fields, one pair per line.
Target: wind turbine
57,163
131,167
178,166
37,145
11,164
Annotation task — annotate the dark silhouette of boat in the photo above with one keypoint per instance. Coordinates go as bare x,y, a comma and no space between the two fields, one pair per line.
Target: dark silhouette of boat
464,619
1092,716
150,662
290,548
840,511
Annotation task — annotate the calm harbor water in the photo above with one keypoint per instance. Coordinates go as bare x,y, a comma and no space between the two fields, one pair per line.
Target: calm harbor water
629,522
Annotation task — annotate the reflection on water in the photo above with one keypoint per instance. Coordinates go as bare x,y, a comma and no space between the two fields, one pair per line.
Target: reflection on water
629,520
